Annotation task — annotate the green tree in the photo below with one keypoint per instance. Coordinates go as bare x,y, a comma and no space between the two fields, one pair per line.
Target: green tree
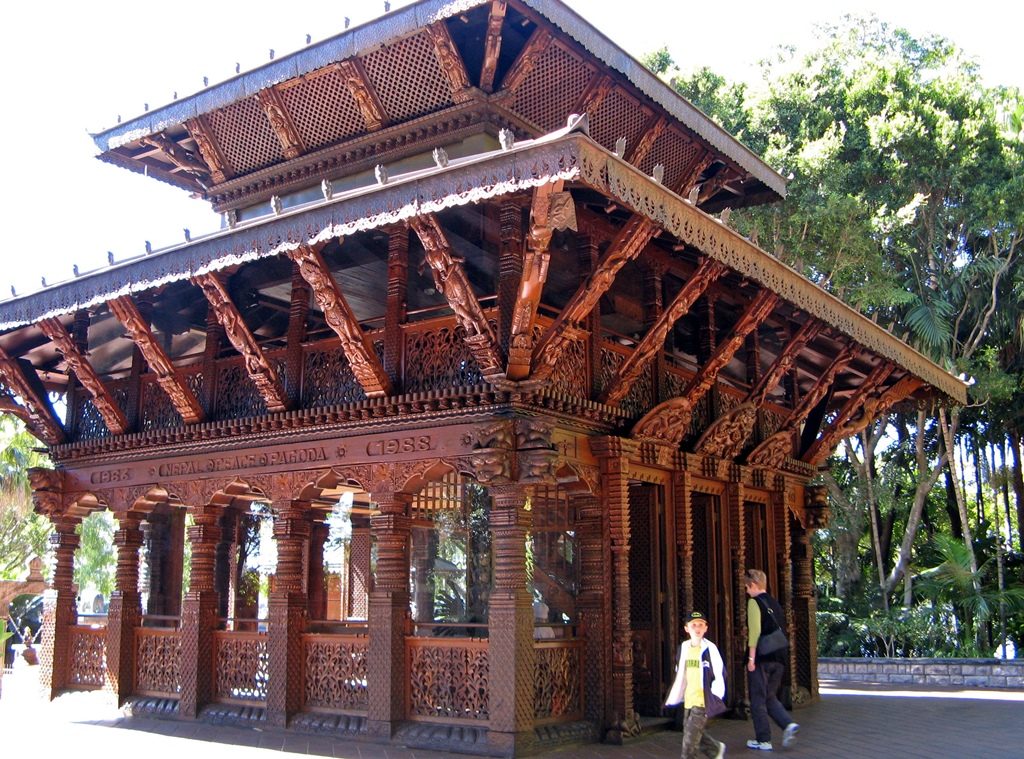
23,533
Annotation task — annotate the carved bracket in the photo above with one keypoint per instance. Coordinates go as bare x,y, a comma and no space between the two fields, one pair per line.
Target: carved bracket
816,512
534,48
492,44
358,350
451,62
213,157
37,410
115,419
262,373
727,436
181,396
277,114
364,94
184,159
666,423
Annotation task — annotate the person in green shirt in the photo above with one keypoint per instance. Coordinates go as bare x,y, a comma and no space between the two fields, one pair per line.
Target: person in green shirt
700,687
765,671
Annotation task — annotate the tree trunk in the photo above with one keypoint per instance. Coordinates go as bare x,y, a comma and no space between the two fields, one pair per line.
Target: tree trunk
951,510
1018,485
949,435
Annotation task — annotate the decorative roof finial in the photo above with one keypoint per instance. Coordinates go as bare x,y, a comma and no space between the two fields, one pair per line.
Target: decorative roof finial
238,67
13,293
387,6
347,21
275,205
74,268
206,81
658,175
188,235
309,38
110,258
271,53
694,194
620,147
231,218
149,247
724,216
381,172
327,188
43,280
440,157
507,139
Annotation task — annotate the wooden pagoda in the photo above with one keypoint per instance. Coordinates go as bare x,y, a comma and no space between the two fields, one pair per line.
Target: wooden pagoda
469,301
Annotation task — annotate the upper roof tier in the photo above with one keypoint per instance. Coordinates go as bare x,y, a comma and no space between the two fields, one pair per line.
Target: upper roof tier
432,74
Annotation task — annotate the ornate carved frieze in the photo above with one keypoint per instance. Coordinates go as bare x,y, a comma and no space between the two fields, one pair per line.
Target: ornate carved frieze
654,341
281,122
816,512
863,407
388,477
104,401
184,159
729,434
185,402
492,44
626,246
597,90
534,48
219,168
451,62
358,83
38,416
47,491
339,316
263,374
666,423
451,280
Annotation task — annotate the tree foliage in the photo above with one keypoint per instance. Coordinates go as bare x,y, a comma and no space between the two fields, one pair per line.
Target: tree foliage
23,534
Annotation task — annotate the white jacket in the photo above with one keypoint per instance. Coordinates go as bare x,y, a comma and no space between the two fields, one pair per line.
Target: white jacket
678,689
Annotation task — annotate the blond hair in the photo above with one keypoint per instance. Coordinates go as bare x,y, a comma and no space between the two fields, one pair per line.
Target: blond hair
755,577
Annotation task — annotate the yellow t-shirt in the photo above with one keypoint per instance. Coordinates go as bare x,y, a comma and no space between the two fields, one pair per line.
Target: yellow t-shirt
694,694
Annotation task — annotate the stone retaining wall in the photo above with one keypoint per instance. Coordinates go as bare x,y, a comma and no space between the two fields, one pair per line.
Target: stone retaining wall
974,673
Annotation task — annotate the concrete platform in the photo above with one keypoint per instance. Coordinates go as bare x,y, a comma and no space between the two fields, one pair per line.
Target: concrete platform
849,722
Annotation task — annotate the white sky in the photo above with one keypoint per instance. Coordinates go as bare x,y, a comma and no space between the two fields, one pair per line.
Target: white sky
74,66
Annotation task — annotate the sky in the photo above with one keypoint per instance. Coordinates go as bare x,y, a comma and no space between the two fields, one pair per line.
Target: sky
73,67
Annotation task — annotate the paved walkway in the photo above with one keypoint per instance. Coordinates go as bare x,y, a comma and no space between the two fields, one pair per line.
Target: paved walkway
854,722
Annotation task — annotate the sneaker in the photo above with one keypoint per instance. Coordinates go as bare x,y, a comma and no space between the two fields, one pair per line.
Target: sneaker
760,745
721,750
789,734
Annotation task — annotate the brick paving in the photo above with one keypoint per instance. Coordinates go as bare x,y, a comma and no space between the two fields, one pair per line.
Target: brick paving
849,722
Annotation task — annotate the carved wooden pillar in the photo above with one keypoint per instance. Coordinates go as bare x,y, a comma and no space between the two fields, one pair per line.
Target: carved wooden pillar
682,490
214,343
422,566
359,580
653,307
287,613
125,610
614,454
510,623
734,498
389,614
397,304
60,614
510,268
707,339
803,607
154,546
133,405
594,608
588,258
80,333
317,582
226,563
199,616
297,316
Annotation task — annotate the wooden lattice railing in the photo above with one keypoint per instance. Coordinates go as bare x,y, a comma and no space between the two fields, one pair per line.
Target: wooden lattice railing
239,667
448,679
558,681
88,657
157,662
335,673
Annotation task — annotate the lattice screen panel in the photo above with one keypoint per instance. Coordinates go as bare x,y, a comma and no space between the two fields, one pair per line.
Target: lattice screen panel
552,88
323,109
245,135
701,553
674,152
408,79
618,116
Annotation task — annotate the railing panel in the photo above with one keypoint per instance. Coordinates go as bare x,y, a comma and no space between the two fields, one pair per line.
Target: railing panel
335,673
240,667
448,679
558,677
88,664
157,662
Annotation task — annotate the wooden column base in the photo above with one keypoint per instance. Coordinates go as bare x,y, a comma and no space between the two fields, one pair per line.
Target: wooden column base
199,616
286,680
123,617
386,678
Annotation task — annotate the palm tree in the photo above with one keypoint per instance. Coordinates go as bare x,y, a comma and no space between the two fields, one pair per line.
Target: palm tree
23,534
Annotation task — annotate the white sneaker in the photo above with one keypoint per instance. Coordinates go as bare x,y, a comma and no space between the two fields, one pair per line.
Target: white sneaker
721,750
759,745
789,734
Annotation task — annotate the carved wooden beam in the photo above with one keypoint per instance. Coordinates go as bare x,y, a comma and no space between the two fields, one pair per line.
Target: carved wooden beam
627,245
451,281
534,48
863,406
654,341
184,159
281,121
773,451
260,370
451,62
655,127
492,44
728,435
358,83
531,282
358,349
597,90
220,168
716,183
181,396
38,416
114,417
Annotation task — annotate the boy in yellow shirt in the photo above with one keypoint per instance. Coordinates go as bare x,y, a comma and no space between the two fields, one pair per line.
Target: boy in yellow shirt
700,687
